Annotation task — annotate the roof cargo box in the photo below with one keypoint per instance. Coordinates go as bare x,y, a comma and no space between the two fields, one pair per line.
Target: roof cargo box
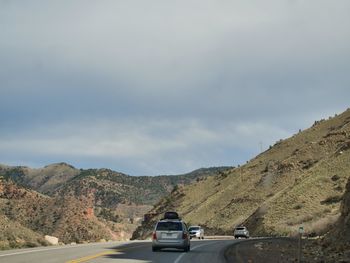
171,215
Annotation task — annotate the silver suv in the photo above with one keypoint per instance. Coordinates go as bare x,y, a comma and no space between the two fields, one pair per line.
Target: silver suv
241,231
170,233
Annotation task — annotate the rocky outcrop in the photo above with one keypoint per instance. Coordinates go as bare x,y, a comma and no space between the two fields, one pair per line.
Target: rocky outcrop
65,217
52,240
344,220
335,245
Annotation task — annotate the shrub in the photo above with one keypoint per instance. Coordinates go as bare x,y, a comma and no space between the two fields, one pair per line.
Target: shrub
298,206
331,200
322,225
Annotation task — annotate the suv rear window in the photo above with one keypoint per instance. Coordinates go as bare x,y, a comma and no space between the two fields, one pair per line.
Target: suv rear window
240,228
169,226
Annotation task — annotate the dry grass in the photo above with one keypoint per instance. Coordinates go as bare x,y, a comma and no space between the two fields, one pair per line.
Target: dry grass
14,235
298,179
320,226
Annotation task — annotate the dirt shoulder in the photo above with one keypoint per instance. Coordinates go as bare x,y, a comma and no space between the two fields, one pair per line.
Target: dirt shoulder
263,250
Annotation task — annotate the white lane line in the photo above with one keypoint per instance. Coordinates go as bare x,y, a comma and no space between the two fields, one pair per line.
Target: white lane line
183,254
52,248
32,251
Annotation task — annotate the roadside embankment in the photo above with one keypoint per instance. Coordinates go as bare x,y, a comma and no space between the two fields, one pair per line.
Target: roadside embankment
263,250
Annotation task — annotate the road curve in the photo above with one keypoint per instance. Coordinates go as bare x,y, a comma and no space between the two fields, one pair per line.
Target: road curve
125,252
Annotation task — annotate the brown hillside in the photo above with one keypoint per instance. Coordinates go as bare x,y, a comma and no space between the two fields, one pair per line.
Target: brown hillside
12,233
83,205
299,180
334,246
344,220
44,180
26,216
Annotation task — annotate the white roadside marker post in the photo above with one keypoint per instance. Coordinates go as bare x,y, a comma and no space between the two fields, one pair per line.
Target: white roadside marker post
301,231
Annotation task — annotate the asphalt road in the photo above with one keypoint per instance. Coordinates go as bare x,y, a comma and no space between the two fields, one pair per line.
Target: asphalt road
127,252
261,250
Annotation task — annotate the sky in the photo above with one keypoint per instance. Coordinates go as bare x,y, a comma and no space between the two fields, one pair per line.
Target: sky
166,87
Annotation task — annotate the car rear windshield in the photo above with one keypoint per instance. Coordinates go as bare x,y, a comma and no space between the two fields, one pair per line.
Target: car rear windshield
240,228
193,228
169,226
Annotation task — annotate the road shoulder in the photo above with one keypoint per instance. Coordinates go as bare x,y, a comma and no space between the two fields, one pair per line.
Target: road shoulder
263,250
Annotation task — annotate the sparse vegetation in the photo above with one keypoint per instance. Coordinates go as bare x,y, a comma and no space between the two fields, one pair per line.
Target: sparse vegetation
80,205
109,215
298,206
331,200
295,180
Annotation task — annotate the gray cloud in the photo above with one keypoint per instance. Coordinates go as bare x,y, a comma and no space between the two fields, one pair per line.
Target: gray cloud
178,145
168,86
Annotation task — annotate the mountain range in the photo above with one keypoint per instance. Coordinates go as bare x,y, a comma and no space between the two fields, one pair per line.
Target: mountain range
78,205
299,181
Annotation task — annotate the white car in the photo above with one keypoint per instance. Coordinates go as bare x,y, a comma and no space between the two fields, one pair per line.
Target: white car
241,231
196,231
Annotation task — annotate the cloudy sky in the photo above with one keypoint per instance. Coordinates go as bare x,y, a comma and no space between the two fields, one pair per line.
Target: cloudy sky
165,87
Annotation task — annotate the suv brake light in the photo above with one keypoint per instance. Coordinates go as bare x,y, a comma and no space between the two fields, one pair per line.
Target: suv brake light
154,236
184,236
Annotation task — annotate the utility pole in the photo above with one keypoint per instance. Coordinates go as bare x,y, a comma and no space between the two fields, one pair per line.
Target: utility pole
261,147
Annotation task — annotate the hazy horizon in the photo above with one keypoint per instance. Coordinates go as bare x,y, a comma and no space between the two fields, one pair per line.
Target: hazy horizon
159,87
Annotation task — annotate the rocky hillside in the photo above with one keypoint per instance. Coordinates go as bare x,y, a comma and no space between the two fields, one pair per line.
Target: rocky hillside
45,180
13,233
115,196
344,221
26,216
111,188
334,246
78,205
300,180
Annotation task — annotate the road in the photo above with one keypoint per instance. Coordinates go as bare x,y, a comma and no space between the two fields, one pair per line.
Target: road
261,250
126,252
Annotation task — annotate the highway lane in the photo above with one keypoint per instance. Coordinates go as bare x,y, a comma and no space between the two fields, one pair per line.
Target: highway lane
201,251
127,252
60,254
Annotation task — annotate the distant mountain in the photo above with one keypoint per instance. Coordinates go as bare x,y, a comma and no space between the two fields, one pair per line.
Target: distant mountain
45,180
81,205
297,181
110,187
